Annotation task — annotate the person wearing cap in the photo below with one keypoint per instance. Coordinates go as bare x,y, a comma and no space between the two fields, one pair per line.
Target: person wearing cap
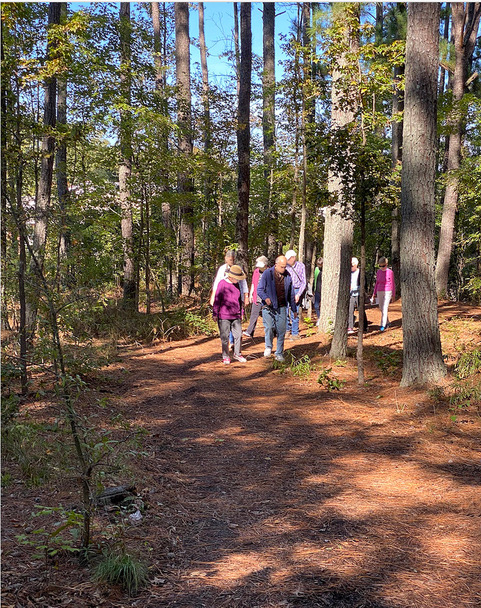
227,310
276,291
297,271
261,264
384,290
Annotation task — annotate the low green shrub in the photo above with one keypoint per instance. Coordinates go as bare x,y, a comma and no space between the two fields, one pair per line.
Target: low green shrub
118,567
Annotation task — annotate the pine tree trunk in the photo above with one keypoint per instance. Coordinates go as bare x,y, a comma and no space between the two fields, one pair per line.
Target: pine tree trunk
423,361
62,183
42,205
125,166
185,184
159,22
243,134
465,22
268,123
339,225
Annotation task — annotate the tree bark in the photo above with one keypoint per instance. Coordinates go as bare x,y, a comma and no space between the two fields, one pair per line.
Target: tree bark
423,361
339,225
185,184
243,135
62,182
465,20
125,166
268,123
42,204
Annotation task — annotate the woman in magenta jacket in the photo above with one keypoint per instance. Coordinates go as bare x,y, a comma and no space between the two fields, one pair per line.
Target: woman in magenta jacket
384,290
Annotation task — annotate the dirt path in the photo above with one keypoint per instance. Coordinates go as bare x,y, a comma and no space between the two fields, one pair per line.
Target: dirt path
265,490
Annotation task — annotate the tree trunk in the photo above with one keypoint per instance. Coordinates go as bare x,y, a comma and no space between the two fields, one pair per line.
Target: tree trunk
465,20
423,361
62,183
42,204
243,135
185,184
125,166
160,61
268,123
339,225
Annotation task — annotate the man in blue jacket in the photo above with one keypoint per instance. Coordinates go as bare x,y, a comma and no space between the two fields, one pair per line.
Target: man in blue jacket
276,291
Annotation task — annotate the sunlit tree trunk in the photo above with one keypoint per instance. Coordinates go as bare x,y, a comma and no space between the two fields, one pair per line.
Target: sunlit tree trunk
125,166
339,225
185,184
422,361
159,21
243,134
268,123
465,20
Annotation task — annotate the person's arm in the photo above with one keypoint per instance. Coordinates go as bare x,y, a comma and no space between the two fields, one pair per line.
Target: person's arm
373,297
293,299
244,289
218,278
393,285
216,302
262,289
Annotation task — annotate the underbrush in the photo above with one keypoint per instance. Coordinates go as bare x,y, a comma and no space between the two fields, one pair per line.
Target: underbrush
114,323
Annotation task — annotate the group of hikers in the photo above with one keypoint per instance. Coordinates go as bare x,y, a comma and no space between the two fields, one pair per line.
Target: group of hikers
277,292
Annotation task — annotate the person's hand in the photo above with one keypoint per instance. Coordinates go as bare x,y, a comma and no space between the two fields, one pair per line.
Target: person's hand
295,315
372,300
215,318
268,302
251,300
246,299
297,299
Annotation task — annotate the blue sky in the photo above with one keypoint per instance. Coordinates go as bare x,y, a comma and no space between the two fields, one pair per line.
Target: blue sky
219,28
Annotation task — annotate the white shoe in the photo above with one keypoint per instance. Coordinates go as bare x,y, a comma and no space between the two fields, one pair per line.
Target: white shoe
280,358
267,352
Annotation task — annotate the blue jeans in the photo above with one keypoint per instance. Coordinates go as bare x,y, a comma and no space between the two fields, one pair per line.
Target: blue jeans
293,324
275,320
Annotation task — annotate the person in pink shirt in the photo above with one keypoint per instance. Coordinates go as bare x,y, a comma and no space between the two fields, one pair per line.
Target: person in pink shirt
384,290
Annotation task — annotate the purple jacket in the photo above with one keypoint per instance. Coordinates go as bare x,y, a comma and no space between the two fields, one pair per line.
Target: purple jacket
227,301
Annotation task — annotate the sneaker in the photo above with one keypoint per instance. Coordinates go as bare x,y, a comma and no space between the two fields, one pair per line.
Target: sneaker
318,322
382,328
295,337
240,358
268,352
350,331
280,358
244,333
226,360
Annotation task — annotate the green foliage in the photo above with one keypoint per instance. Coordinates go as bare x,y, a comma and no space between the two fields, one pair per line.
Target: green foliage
388,362
469,363
118,567
27,444
61,538
467,386
329,382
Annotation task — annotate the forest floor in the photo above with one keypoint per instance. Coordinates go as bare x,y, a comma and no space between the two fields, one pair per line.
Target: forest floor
264,489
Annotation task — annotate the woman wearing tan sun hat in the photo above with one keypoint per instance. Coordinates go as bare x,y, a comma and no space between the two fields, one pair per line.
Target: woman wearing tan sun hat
227,310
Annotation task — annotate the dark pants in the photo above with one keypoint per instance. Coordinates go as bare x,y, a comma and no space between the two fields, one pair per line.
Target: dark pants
317,303
353,304
255,312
